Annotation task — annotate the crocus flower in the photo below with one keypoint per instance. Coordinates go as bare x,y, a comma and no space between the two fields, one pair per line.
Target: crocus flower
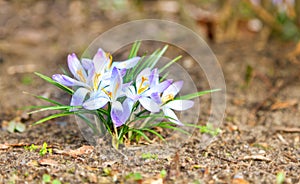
87,76
91,75
147,85
119,112
168,104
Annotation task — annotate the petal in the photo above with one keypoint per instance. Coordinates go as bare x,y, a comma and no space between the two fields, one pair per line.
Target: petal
116,84
76,67
179,105
173,118
95,103
67,81
130,63
144,73
160,87
127,107
87,63
100,60
116,114
131,93
120,113
123,72
79,96
173,89
156,98
153,78
149,104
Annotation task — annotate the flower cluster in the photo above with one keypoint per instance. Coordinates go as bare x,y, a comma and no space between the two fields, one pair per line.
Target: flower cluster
99,83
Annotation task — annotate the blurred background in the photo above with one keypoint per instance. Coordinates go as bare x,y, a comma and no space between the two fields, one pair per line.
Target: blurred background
37,35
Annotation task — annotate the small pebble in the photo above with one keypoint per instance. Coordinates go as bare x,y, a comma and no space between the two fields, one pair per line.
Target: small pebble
238,175
261,152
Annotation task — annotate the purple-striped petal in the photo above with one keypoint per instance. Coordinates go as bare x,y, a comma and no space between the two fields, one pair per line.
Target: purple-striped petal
153,78
87,63
79,96
156,98
160,87
173,118
116,84
121,112
76,68
117,113
130,63
96,103
131,93
173,89
67,81
149,104
179,105
100,60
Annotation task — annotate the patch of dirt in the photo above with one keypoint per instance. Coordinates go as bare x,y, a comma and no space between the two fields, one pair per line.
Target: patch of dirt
260,134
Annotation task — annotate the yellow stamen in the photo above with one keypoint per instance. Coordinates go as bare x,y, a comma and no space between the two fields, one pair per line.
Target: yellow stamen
80,74
141,89
109,56
96,81
106,92
167,98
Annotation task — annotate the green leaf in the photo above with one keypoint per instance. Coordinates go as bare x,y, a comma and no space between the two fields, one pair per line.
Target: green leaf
52,117
135,176
280,178
164,77
56,181
63,107
43,150
88,122
163,173
208,128
44,98
149,156
46,178
249,74
141,133
197,94
158,56
155,116
169,125
149,62
51,81
134,50
170,63
153,132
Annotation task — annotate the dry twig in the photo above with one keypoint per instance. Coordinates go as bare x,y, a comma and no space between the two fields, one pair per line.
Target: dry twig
255,157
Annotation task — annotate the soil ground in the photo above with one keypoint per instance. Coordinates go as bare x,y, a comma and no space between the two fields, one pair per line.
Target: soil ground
259,139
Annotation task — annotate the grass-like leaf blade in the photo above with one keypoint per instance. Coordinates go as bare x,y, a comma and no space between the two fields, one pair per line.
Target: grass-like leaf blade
170,63
134,49
64,107
52,117
197,94
45,99
51,81
140,133
153,132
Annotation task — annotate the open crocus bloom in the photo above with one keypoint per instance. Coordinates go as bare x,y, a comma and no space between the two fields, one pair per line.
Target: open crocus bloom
147,85
91,76
168,104
119,112
99,81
